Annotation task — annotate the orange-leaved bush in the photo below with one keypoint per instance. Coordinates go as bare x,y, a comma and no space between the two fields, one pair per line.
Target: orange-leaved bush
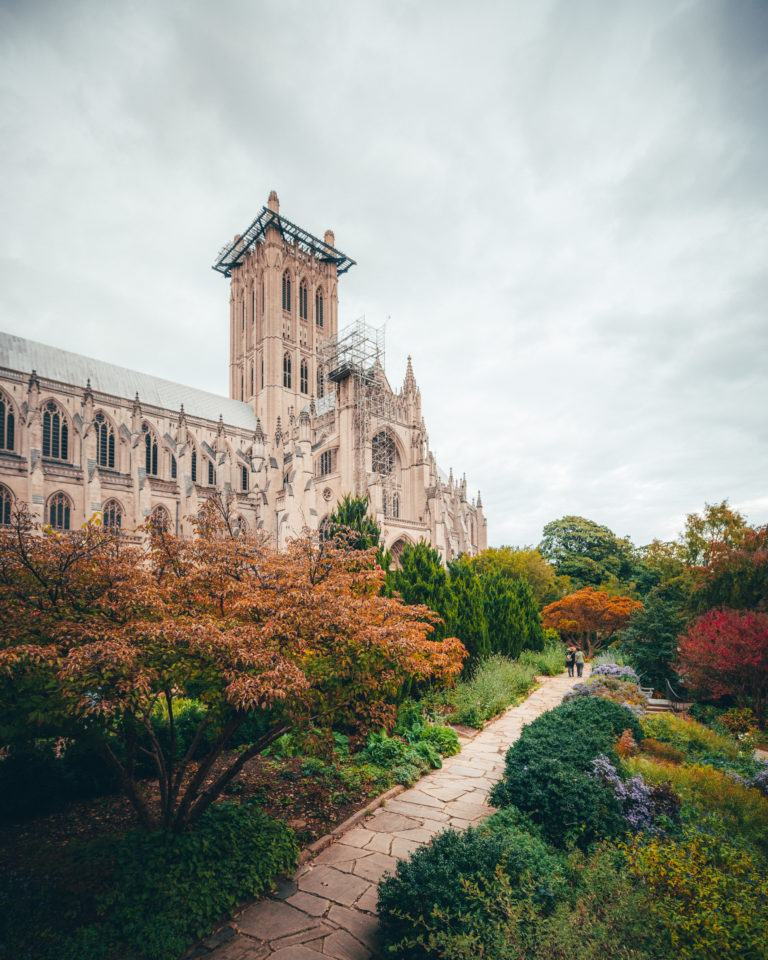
589,616
101,630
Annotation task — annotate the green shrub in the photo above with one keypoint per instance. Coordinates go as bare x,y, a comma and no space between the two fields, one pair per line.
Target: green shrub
548,662
693,738
145,894
707,888
432,891
548,771
743,810
568,804
574,732
496,684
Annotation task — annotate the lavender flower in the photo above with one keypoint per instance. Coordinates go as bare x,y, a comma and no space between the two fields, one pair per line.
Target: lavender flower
615,671
634,795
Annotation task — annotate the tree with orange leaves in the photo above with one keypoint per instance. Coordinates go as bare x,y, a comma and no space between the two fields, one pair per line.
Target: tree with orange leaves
590,617
100,631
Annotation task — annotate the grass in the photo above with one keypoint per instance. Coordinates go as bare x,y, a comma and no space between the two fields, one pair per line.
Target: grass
548,662
496,684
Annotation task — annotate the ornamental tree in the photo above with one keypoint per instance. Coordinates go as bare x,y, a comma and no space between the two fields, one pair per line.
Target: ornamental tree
725,654
589,617
736,574
107,631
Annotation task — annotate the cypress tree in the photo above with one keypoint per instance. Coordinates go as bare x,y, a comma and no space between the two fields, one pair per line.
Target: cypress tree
471,626
422,578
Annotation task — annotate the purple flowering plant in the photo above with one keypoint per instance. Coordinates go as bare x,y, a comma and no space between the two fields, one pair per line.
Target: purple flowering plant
615,671
634,794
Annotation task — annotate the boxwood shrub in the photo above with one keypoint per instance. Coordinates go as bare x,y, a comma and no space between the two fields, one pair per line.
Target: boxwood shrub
434,887
547,771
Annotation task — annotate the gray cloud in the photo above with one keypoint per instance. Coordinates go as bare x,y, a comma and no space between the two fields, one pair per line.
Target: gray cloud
558,209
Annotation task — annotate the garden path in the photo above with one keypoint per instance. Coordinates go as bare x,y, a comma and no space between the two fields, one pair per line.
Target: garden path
329,908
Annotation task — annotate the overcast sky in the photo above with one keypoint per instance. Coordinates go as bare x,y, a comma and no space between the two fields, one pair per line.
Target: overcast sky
559,209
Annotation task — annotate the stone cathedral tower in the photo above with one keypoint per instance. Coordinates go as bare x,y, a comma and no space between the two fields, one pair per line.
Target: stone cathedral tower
283,308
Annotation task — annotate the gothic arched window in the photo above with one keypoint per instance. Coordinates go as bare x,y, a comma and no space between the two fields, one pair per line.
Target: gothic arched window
252,390
320,383
383,453
304,380
303,311
7,424
286,291
113,514
174,468
244,478
55,433
241,526
59,511
193,466
6,499
160,520
395,505
287,370
319,308
150,451
211,473
105,442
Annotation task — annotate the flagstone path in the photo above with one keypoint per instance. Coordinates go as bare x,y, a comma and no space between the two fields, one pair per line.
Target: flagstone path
329,908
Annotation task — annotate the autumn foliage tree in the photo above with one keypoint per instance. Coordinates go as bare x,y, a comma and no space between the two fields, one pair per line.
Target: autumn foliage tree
589,617
101,631
725,654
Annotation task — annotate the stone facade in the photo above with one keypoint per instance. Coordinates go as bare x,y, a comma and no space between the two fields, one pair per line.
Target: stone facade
306,422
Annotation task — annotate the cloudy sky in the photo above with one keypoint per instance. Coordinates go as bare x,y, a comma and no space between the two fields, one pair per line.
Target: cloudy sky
559,209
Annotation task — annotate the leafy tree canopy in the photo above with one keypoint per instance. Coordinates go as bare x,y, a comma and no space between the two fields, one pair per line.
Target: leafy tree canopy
651,636
716,526
725,654
585,551
588,616
111,629
523,563
736,574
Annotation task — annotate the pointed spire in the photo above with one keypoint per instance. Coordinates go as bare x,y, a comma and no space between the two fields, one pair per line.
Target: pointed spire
182,416
258,433
479,501
278,433
220,427
409,384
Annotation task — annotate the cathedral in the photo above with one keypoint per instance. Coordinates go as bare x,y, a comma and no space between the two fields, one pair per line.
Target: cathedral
310,417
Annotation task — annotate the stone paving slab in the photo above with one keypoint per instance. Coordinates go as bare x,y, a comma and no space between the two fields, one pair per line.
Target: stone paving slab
329,908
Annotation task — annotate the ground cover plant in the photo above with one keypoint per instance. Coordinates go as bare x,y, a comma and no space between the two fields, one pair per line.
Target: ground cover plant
143,894
669,858
495,683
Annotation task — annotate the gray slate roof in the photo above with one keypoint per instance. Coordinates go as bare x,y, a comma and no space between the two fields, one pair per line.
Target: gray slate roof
24,356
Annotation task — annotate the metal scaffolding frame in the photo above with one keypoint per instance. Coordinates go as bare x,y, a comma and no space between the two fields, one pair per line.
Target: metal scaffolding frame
234,252
358,352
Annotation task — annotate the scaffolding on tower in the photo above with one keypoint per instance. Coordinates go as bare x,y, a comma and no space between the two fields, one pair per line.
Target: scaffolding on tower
358,353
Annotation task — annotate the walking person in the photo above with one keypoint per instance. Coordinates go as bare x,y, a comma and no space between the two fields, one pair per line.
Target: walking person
570,659
579,662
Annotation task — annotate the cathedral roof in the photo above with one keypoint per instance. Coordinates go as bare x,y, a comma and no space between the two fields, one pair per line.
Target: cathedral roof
51,363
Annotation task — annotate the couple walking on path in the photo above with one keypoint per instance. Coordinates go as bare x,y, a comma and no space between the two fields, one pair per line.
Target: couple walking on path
574,658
